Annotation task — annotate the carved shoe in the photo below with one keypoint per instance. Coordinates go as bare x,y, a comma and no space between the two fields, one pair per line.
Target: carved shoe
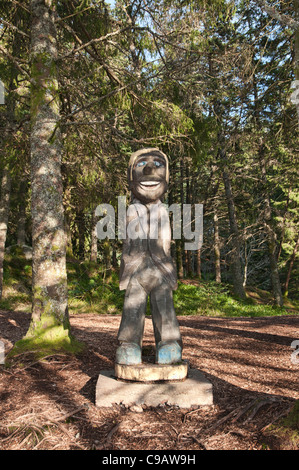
168,352
128,354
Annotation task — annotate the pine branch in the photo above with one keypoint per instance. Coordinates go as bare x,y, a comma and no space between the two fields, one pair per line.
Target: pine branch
14,28
13,59
284,19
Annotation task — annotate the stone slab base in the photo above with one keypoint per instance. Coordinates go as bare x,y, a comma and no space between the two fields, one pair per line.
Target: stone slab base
151,372
195,390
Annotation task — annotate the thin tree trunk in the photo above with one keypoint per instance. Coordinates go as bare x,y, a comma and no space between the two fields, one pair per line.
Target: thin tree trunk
246,264
235,256
271,236
69,242
107,255
173,245
198,263
49,278
296,48
286,287
276,286
80,222
21,228
189,271
180,243
94,239
6,169
114,255
179,259
188,263
4,211
283,224
217,252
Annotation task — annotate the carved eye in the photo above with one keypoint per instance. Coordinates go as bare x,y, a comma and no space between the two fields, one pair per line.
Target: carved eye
142,163
159,164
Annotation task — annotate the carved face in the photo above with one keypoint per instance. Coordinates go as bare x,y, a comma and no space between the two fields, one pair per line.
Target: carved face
149,177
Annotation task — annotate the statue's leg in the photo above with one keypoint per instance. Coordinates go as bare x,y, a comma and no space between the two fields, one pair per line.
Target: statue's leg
166,327
131,328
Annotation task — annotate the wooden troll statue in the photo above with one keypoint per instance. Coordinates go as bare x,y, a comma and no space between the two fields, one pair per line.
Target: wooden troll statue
147,268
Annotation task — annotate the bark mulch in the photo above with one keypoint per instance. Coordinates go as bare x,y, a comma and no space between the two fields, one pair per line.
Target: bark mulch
50,403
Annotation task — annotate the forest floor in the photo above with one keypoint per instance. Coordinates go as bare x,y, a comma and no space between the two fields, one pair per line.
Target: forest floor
50,403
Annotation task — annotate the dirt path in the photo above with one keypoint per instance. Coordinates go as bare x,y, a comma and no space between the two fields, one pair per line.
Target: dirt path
50,404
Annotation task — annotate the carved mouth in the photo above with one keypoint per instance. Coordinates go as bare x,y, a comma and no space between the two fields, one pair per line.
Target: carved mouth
150,184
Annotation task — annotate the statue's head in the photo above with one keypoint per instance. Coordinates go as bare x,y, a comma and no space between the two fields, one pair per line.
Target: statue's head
148,174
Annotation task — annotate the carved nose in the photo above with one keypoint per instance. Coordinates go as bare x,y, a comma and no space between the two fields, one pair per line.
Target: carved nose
149,168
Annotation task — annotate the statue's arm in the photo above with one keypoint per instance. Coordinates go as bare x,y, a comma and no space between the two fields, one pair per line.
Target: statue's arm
126,248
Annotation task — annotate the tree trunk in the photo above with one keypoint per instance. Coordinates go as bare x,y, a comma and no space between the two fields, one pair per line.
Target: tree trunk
246,264
80,223
4,211
21,228
107,255
179,259
93,239
114,255
188,263
180,243
286,287
50,321
6,156
296,59
217,252
271,236
69,241
284,224
235,255
198,263
276,286
188,257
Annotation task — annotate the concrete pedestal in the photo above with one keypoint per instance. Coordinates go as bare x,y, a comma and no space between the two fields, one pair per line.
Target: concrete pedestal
195,390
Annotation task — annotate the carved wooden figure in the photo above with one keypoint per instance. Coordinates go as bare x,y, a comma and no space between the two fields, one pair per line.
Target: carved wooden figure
147,269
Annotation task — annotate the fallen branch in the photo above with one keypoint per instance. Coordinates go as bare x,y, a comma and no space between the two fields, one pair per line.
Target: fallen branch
224,419
112,431
260,404
244,410
71,413
279,416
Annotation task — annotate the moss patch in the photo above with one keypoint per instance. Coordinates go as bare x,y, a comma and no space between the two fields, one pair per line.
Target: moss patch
284,435
292,419
47,341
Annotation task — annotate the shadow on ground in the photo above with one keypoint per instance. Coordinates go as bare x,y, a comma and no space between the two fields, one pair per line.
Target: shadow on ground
244,359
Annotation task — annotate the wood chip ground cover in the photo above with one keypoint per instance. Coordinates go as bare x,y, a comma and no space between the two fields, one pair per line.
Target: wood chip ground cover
50,404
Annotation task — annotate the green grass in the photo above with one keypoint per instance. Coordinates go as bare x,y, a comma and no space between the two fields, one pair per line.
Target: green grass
91,290
212,299
17,273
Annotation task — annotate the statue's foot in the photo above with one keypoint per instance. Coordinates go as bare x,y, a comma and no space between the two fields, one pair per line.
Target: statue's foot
128,354
168,352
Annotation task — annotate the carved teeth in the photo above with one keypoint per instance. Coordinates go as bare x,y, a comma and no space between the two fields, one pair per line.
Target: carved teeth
149,183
